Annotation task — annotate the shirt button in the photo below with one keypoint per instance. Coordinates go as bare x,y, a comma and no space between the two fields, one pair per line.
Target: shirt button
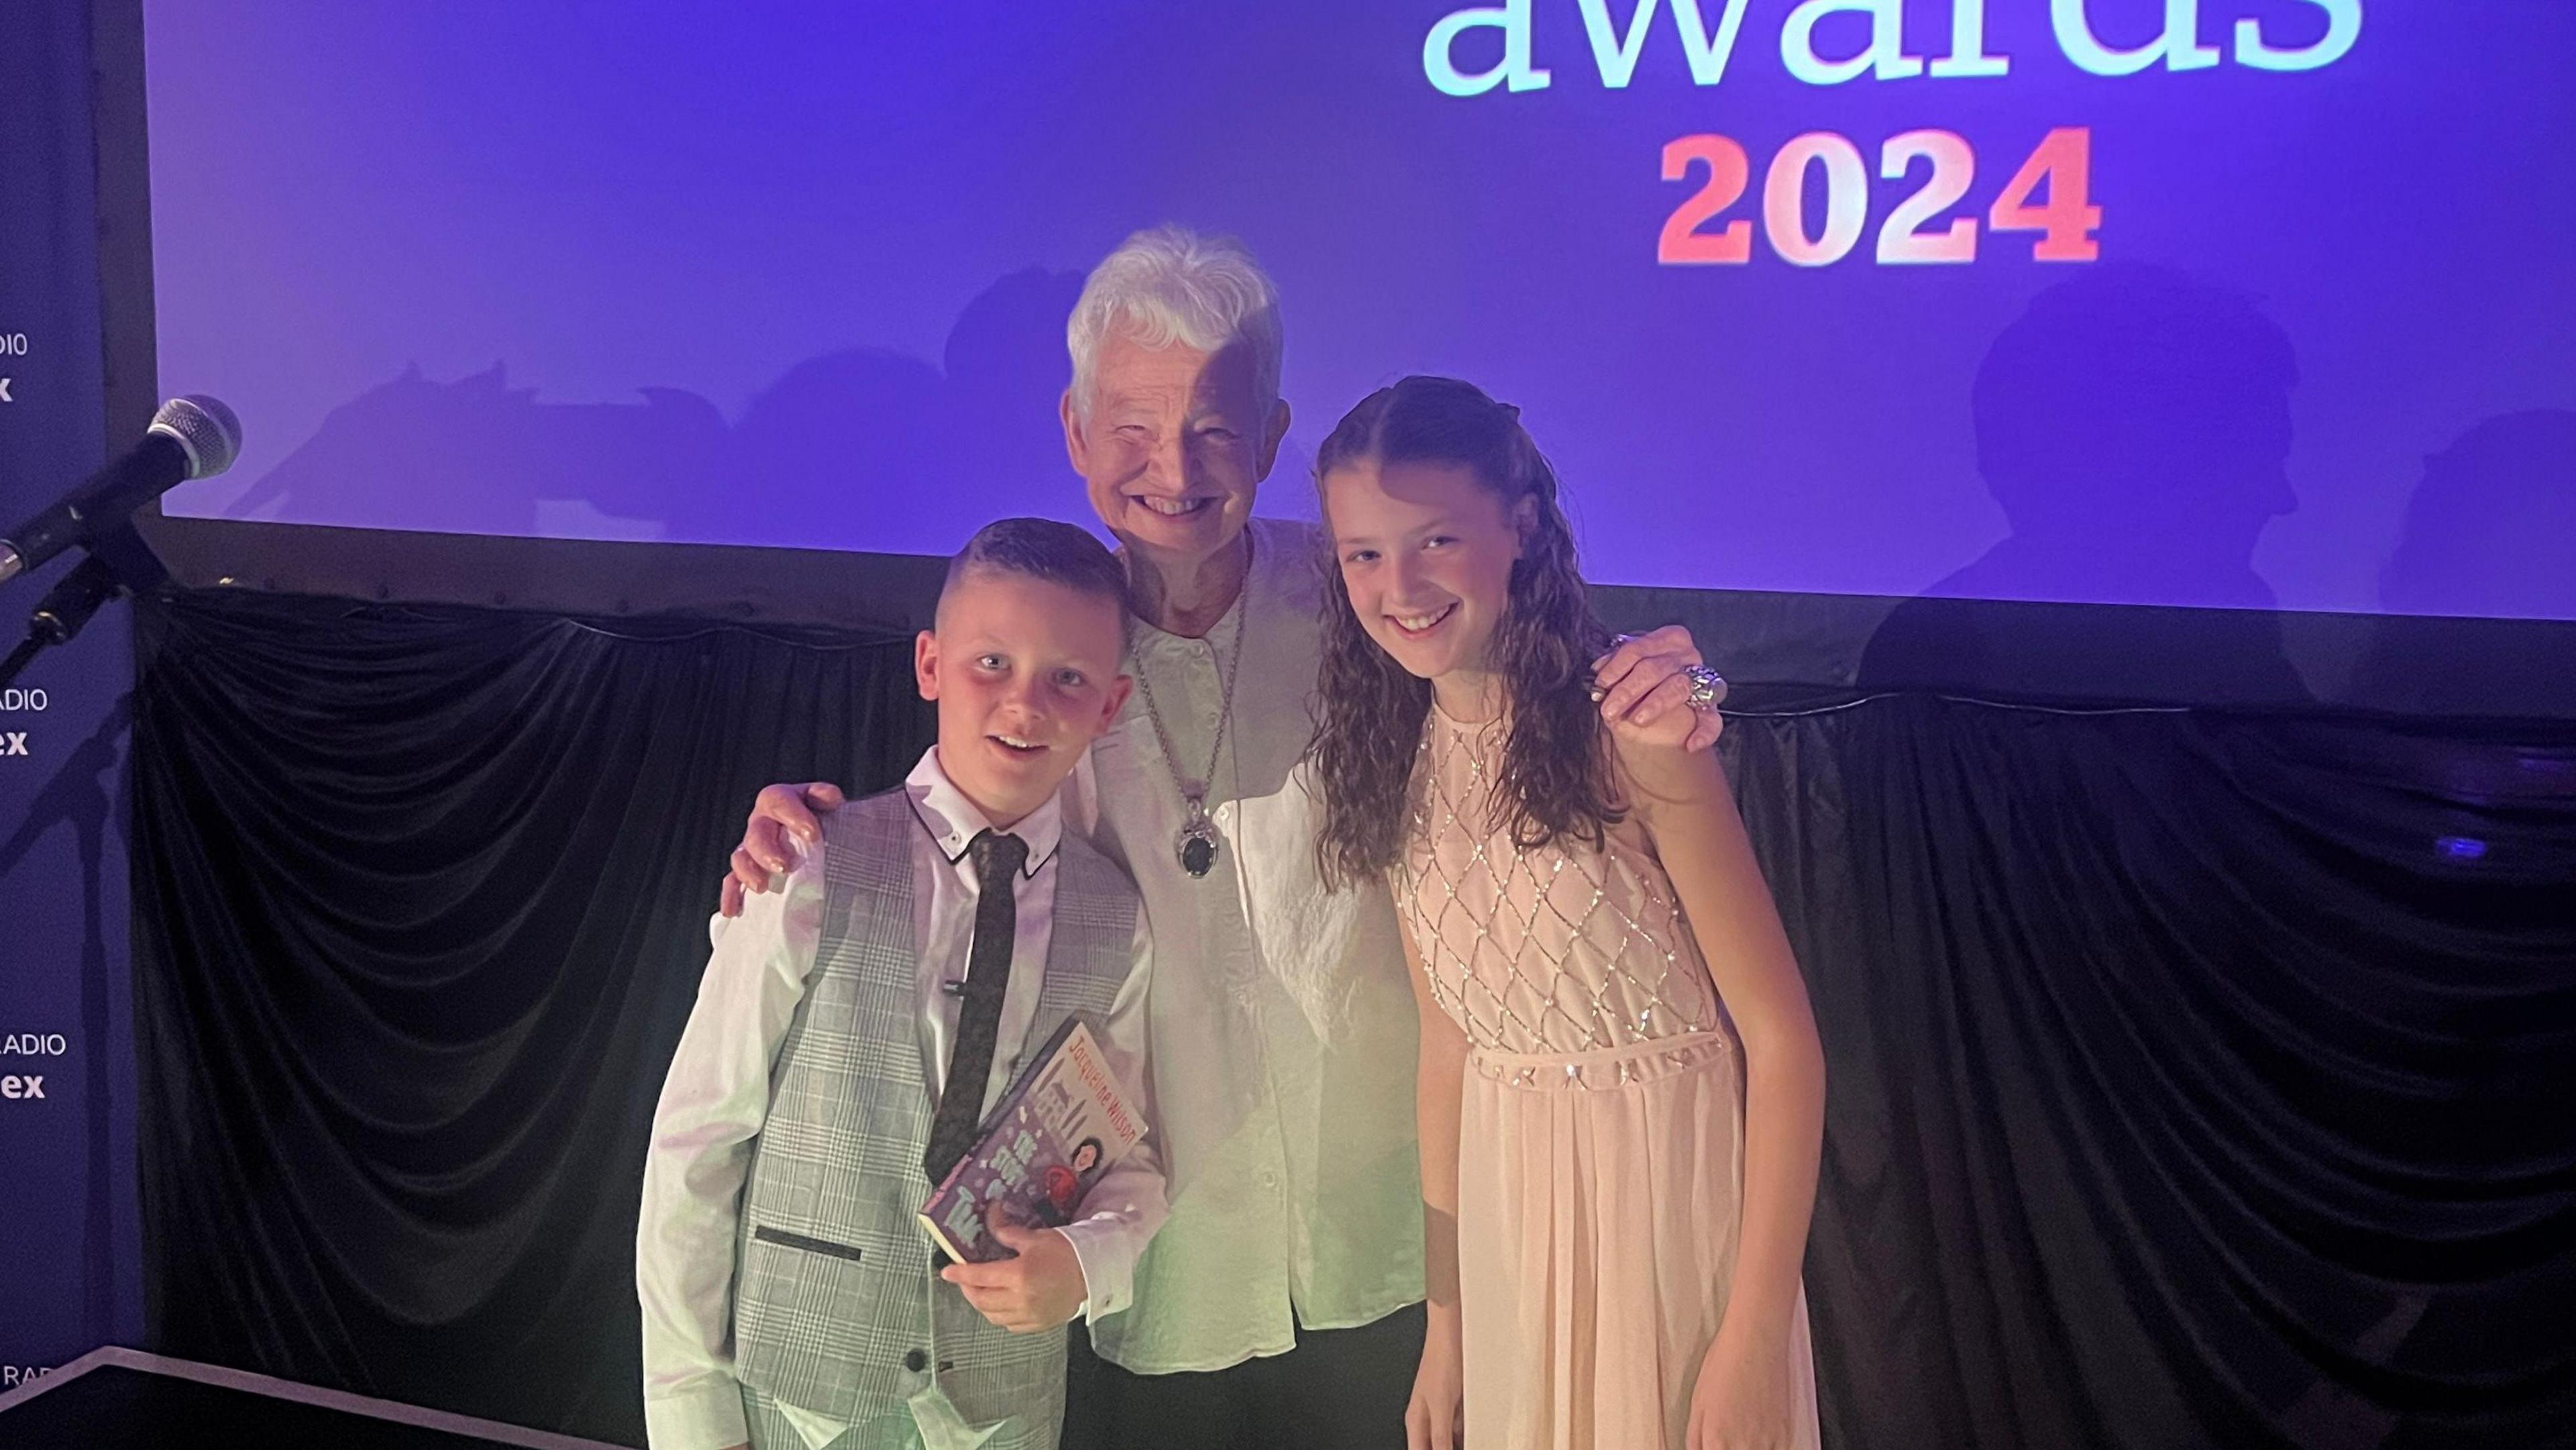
914,1360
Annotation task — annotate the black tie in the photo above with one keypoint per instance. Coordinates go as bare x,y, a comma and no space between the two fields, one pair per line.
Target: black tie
979,1014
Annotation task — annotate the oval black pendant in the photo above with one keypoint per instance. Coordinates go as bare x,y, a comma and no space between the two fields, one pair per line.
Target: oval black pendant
1198,855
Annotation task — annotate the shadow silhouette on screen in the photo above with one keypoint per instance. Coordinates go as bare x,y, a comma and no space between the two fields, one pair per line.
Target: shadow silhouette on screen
2490,531
2134,425
843,450
477,456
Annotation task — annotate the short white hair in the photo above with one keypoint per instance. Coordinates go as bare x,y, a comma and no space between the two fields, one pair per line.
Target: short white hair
1172,285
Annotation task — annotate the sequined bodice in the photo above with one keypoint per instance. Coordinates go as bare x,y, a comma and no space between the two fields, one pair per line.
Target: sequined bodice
1557,949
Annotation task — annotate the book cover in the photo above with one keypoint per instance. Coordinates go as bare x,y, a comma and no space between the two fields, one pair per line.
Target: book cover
1063,1122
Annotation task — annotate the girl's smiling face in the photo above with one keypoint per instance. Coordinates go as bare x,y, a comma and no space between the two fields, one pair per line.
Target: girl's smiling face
1426,553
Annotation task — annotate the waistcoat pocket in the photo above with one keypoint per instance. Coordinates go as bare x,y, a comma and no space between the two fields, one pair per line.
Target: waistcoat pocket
768,1235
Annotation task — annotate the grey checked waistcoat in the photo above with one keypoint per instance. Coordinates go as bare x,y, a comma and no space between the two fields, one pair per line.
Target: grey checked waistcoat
836,1307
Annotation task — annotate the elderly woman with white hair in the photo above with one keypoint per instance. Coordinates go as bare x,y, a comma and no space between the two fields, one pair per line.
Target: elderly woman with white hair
1281,1303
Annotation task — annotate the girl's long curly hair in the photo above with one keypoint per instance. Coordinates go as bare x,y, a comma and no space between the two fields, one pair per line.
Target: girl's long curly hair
1555,780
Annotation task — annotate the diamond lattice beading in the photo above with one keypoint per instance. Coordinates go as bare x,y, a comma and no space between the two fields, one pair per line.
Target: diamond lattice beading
1556,949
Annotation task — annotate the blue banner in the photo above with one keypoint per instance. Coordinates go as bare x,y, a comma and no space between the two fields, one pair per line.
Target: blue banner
67,1199
2232,303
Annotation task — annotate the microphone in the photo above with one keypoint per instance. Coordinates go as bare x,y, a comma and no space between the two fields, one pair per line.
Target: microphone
191,437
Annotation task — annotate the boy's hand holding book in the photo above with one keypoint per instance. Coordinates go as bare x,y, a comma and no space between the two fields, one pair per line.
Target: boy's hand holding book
1039,1288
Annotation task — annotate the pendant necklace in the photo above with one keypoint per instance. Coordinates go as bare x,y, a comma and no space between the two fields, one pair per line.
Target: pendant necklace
1196,844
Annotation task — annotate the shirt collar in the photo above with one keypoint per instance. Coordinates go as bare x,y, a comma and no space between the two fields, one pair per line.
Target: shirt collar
953,821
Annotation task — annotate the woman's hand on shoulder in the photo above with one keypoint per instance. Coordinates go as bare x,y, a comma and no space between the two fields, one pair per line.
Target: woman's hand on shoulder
1655,678
779,811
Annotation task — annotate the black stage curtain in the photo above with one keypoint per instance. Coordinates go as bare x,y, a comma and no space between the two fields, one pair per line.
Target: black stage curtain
2197,1078
423,898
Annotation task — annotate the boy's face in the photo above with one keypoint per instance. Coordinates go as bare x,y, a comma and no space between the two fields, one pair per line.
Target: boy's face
1025,673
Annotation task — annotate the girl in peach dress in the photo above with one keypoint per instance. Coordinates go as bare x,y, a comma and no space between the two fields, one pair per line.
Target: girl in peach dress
1621,1096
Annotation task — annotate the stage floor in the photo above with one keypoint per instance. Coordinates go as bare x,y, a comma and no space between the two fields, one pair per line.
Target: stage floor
113,1398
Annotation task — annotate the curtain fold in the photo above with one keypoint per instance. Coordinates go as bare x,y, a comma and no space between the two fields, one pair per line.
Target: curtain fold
2196,1078
423,907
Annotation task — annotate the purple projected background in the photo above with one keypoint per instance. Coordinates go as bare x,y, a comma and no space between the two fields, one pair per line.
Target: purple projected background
797,275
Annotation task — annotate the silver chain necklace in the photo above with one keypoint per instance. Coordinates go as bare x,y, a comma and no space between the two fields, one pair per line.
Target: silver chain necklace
1196,844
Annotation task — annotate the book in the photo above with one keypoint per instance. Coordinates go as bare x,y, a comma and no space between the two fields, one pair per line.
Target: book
1063,1122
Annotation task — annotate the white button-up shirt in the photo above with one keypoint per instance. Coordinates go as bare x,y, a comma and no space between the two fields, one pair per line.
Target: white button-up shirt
716,1098
1280,1023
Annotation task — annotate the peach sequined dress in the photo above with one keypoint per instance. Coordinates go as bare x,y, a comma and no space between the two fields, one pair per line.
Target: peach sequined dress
1600,1157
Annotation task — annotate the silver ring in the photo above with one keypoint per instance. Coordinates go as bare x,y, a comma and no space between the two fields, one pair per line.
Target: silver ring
1707,687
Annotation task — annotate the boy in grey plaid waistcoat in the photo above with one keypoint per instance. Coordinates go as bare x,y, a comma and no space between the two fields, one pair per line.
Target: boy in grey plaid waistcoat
850,1033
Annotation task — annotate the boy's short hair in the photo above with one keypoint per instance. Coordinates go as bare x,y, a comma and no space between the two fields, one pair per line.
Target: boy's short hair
1047,549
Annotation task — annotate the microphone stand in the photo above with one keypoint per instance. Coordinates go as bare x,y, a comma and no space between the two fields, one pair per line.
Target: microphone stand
119,562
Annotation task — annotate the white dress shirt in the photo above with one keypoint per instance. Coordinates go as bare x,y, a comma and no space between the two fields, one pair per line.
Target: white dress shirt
717,1096
1282,1027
